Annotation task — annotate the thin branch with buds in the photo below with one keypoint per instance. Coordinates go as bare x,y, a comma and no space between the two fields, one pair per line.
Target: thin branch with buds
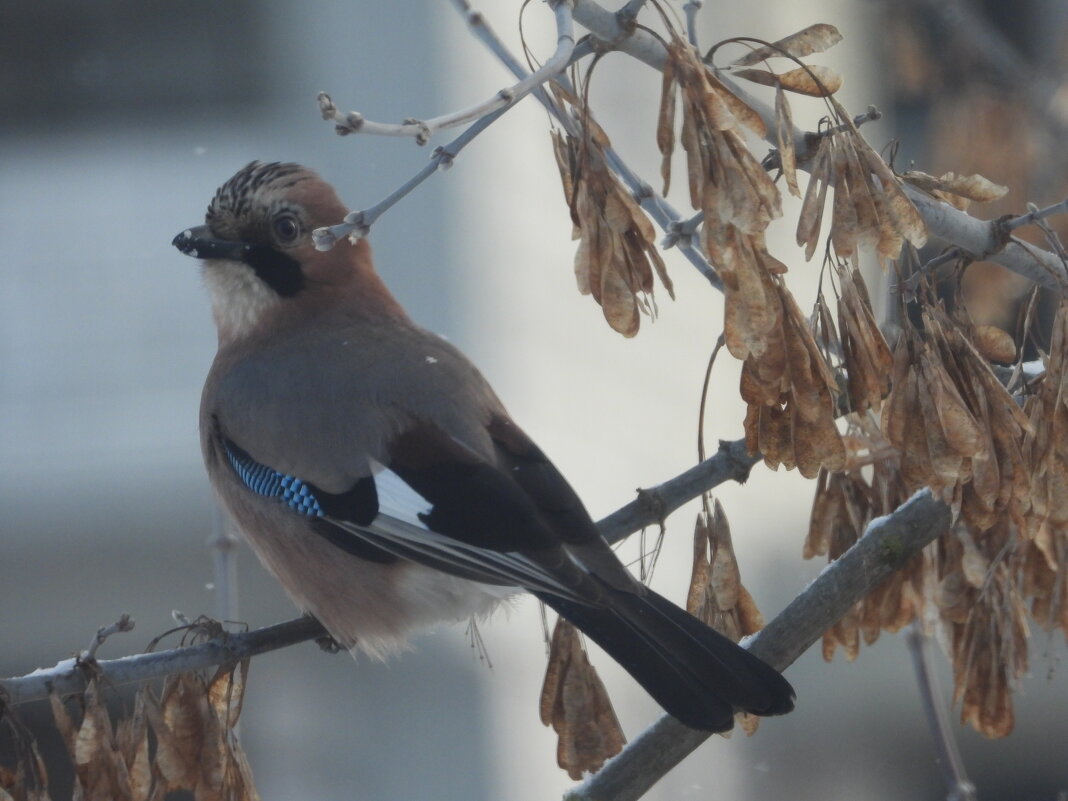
69,677
1035,214
124,624
773,161
422,130
358,223
731,463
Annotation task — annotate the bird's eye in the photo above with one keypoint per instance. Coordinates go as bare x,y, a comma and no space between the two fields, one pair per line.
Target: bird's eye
285,228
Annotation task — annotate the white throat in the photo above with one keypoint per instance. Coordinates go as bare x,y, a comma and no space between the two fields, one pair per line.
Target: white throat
239,299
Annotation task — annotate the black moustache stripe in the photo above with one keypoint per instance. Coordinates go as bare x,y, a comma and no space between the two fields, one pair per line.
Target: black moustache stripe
276,269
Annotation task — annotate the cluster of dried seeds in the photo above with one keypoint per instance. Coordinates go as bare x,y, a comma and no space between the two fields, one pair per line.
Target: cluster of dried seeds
717,595
953,426
575,703
869,208
194,746
617,254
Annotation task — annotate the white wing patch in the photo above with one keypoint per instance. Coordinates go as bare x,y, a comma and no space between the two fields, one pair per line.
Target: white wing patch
397,499
399,530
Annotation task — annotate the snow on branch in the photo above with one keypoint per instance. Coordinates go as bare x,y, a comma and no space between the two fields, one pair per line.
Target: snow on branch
71,675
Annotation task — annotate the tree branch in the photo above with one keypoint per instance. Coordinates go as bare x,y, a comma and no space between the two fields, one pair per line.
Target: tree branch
888,543
422,130
359,223
983,241
653,505
71,675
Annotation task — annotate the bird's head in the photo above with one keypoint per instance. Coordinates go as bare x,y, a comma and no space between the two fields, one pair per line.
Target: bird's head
256,245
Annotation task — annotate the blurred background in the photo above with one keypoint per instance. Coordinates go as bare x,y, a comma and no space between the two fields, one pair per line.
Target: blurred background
120,118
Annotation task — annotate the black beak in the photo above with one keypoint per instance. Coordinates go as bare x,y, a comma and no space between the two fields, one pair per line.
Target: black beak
201,244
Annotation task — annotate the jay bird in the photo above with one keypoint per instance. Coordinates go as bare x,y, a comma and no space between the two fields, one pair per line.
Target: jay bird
374,471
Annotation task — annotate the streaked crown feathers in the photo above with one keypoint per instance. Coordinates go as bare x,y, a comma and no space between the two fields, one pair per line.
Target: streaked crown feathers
243,203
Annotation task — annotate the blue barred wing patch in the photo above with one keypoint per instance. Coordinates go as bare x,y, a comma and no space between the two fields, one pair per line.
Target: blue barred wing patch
270,483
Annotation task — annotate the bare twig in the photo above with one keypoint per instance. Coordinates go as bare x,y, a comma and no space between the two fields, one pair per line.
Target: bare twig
1053,238
123,624
888,543
358,223
1034,214
773,161
871,115
982,241
702,409
958,787
912,283
223,544
422,130
731,463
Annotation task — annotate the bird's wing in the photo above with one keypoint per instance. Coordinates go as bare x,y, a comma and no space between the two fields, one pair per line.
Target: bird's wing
383,517
322,403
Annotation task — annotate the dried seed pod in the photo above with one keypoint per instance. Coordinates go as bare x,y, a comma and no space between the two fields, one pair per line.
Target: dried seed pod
574,702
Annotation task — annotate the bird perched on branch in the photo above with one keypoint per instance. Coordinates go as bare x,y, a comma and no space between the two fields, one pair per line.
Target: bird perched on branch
374,471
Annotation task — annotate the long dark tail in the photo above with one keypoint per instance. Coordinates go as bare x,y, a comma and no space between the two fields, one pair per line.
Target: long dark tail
694,672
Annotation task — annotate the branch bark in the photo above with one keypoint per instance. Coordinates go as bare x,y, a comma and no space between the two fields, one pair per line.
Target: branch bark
71,676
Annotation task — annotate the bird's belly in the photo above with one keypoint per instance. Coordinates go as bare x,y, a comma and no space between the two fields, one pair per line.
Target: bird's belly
366,606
